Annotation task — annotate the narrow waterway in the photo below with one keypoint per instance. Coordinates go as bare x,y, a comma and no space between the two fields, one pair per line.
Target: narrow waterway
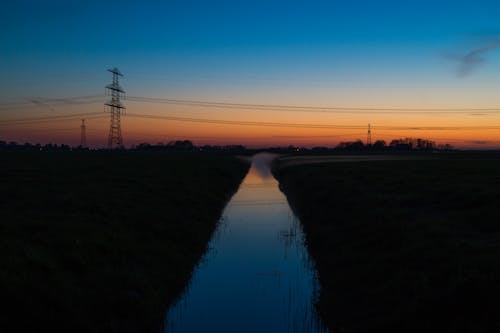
257,275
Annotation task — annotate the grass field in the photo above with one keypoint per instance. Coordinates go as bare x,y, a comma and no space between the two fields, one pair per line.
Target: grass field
403,246
104,241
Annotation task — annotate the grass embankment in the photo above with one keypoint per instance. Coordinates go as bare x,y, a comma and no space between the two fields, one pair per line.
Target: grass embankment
403,246
104,242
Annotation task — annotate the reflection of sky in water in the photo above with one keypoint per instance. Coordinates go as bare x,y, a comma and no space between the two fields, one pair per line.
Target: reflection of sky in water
257,275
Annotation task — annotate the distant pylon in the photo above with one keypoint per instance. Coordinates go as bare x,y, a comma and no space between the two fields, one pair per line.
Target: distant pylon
369,136
115,107
83,135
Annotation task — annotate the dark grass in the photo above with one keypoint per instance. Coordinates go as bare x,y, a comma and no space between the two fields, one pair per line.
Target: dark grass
403,246
104,241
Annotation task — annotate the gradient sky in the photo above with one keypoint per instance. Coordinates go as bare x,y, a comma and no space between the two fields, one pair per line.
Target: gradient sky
381,54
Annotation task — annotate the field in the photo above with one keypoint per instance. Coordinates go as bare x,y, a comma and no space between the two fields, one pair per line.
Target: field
104,241
402,245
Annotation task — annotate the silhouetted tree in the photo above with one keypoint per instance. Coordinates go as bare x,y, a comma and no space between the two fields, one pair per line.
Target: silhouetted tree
379,145
351,145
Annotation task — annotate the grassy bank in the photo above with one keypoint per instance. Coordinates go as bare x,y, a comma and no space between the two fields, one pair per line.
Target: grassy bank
104,241
403,246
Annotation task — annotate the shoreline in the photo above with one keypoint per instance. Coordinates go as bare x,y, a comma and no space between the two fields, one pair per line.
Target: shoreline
393,251
106,242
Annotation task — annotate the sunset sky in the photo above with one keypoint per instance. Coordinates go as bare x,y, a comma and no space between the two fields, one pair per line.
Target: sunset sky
428,69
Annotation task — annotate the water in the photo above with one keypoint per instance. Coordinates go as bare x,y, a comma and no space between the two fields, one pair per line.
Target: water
257,275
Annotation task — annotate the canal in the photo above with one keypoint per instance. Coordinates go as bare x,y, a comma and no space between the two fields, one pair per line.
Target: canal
257,275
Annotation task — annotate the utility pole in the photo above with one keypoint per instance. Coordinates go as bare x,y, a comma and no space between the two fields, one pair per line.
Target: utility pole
369,136
115,108
83,135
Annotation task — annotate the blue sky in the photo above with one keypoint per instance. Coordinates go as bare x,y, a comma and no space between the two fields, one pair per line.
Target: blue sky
331,53
53,42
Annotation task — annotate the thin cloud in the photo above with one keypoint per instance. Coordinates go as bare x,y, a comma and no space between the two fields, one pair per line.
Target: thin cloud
472,59
39,102
478,142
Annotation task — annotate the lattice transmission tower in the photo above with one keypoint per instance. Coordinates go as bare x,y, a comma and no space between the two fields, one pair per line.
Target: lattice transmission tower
83,135
369,136
115,108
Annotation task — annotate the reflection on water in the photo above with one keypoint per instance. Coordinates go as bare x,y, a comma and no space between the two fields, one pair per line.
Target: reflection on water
257,275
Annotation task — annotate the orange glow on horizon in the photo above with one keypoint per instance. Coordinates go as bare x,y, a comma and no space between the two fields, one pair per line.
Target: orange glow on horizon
137,130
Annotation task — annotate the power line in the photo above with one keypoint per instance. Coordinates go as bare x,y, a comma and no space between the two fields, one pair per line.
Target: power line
313,136
436,128
297,108
76,100
14,121
42,130
306,125
243,123
96,115
89,99
43,101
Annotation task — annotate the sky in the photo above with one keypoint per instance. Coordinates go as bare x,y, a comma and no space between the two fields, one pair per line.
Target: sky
426,69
